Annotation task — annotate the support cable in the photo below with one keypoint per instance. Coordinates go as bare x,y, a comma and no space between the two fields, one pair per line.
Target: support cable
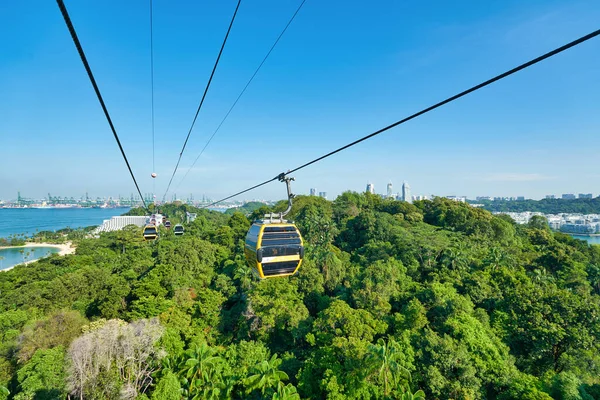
243,91
65,14
428,109
152,96
203,97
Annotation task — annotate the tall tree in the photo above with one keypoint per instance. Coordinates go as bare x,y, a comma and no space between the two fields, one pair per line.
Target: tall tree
383,358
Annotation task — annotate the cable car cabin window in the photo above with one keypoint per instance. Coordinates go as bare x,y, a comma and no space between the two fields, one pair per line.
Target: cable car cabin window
150,231
279,229
252,236
279,251
276,268
280,236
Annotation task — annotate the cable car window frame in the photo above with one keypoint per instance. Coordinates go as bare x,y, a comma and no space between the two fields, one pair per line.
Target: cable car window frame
150,231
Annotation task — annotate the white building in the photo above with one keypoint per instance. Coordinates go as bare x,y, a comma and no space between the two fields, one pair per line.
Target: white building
120,222
370,188
406,192
460,199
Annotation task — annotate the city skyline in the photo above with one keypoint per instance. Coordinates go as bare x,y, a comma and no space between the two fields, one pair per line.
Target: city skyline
313,191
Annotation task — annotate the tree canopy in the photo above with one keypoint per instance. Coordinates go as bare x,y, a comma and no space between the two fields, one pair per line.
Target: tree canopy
436,300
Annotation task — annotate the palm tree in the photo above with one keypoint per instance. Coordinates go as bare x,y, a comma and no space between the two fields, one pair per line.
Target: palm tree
383,357
497,258
244,274
266,375
409,395
455,257
541,275
287,392
200,366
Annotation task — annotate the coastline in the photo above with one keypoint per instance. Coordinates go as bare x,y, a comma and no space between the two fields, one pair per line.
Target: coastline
64,249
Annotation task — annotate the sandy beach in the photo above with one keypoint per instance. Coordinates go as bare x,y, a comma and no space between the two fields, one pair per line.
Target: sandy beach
64,249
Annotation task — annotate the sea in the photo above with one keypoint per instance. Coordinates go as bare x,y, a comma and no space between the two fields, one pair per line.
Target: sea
590,239
12,256
30,220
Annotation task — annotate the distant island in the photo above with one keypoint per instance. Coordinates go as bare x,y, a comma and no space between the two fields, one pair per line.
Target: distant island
545,206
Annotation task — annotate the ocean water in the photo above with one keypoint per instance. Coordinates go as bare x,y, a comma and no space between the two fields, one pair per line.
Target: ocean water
13,256
28,220
590,239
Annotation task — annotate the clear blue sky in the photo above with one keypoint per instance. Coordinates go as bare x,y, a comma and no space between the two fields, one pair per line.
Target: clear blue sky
342,70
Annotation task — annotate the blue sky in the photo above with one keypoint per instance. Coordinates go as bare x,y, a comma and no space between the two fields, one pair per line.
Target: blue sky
342,70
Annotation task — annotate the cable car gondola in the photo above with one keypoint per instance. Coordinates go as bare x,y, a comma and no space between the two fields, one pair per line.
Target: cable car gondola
150,232
167,224
178,230
274,246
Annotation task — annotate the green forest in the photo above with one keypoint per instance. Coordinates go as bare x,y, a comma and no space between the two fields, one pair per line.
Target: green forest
432,300
546,206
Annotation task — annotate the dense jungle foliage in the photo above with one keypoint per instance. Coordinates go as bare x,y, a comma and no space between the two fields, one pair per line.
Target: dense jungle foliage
546,206
436,300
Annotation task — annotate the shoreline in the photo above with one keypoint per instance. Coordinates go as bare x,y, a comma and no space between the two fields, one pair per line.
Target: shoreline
64,249
583,234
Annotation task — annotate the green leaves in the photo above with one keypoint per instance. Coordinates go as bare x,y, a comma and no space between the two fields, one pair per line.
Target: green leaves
391,296
277,311
385,359
265,375
44,375
409,395
287,392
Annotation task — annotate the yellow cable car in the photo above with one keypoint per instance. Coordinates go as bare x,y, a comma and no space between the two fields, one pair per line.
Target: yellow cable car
274,249
150,232
273,245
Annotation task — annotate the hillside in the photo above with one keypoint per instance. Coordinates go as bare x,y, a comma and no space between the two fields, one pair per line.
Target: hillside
247,208
392,299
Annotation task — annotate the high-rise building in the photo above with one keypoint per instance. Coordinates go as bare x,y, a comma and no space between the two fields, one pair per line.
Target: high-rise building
313,191
568,196
370,188
389,189
585,195
406,193
550,196
323,195
520,198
